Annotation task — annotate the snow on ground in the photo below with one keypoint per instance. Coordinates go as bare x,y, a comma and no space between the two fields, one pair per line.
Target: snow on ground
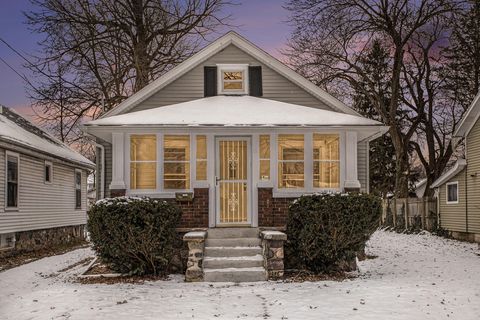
414,277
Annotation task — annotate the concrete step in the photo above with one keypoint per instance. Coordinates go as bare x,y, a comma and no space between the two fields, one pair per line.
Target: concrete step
232,251
233,262
235,274
222,233
233,242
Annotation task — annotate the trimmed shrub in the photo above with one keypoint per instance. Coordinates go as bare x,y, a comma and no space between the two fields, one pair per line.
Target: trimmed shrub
134,236
325,231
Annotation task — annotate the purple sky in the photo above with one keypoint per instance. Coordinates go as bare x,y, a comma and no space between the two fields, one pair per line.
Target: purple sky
262,22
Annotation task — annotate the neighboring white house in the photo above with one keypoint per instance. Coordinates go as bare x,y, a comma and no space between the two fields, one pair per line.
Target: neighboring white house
42,187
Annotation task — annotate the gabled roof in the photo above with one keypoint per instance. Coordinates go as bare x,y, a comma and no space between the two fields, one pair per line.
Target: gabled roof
215,47
458,167
469,118
17,130
235,111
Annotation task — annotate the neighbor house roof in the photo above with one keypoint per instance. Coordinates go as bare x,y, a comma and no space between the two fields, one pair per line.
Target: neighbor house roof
458,167
17,130
469,118
215,47
234,111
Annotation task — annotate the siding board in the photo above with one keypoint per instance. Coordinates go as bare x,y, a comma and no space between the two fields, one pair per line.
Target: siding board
473,178
452,216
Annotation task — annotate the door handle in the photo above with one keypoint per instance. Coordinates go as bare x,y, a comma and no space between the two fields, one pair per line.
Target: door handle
244,186
216,180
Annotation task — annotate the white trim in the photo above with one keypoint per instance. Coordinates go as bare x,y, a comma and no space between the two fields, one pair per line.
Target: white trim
446,191
469,119
48,164
118,161
215,47
16,155
459,165
232,68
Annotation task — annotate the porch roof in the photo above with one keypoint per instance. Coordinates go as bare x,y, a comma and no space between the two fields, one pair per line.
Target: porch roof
235,111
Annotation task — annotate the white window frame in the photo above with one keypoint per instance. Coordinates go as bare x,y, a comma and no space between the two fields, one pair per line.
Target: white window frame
446,192
189,161
129,161
75,188
48,164
232,68
16,155
339,161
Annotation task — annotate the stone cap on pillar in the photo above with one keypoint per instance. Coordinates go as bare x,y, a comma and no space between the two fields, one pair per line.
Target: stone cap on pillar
195,236
273,235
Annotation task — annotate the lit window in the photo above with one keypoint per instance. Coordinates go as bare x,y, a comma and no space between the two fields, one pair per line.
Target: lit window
78,189
13,160
452,192
291,161
143,162
232,79
201,158
48,172
326,161
264,157
176,162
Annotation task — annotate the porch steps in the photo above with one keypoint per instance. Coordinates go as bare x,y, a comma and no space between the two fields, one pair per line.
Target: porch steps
233,255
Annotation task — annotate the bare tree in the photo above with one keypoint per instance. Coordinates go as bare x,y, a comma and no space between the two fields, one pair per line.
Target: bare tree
331,37
96,53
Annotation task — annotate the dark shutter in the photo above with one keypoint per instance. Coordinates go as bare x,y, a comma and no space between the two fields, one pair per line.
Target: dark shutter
210,81
255,81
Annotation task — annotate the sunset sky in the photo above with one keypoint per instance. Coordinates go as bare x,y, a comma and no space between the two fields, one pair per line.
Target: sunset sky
262,22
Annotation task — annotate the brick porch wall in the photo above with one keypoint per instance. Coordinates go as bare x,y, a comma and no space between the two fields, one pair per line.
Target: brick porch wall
272,212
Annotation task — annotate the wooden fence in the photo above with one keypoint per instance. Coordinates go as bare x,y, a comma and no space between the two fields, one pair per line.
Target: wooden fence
410,213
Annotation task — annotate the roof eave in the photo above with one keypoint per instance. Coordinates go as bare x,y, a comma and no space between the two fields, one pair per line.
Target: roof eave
457,168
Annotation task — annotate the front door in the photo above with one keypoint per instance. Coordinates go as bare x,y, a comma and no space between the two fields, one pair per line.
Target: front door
233,181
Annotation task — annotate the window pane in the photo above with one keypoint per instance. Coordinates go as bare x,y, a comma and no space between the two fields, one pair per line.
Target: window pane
143,175
326,147
232,75
12,194
326,174
201,147
201,170
452,192
176,148
177,175
264,169
143,148
47,173
78,198
290,147
264,147
238,85
290,175
78,180
12,169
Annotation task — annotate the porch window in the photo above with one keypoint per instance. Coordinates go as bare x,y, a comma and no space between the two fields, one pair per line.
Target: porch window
176,162
264,157
13,159
326,161
201,158
143,161
291,161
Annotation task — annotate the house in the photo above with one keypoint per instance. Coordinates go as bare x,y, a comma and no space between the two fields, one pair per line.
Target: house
458,189
42,187
233,136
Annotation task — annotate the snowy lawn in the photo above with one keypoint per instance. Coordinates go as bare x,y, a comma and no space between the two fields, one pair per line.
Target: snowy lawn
414,277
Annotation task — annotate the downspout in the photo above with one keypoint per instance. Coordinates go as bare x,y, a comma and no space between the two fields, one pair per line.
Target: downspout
102,166
466,200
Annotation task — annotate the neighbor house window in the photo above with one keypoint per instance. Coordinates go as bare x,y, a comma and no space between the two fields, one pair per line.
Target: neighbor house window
176,162
232,79
48,172
201,158
264,155
452,192
326,161
78,189
291,161
13,160
143,161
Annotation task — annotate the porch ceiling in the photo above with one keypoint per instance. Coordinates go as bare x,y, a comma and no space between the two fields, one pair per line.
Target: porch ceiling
235,111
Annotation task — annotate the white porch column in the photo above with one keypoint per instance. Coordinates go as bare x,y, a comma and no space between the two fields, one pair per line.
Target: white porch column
351,175
118,167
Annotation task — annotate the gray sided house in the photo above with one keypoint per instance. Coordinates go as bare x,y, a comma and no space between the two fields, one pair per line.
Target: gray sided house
458,189
42,187
231,135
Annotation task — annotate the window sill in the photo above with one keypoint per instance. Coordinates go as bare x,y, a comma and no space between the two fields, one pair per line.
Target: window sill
301,192
156,195
11,209
452,202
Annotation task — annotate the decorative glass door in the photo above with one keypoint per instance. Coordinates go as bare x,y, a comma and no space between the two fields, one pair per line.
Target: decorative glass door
232,180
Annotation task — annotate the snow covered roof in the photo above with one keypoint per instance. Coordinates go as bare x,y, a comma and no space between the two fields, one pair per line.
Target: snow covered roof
230,38
17,130
233,111
458,167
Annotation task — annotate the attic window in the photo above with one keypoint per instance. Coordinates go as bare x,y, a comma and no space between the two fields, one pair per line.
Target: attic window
232,79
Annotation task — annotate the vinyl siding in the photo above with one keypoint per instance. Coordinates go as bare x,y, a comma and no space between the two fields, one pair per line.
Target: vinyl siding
452,216
473,187
362,165
190,85
41,205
